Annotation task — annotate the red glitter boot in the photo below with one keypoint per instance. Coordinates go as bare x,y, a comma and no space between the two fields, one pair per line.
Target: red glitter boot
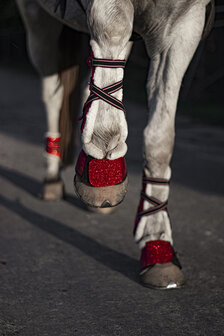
159,265
100,183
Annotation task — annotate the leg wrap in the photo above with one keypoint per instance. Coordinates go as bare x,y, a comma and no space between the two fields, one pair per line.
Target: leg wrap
101,172
53,146
155,251
102,93
53,156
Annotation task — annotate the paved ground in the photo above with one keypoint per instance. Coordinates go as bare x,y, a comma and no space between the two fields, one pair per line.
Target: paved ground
65,271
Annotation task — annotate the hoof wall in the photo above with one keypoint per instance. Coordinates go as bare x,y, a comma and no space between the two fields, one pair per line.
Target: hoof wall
162,276
102,211
53,190
101,197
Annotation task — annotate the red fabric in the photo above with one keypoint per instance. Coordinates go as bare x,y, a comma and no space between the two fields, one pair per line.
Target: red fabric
80,165
53,146
156,252
104,172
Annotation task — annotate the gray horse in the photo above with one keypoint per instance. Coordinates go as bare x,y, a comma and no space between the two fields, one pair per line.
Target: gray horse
171,30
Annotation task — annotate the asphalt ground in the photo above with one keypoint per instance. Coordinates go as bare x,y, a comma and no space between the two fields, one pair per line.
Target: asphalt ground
66,271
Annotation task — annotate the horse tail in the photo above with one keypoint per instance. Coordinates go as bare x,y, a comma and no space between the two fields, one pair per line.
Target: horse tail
210,20
70,49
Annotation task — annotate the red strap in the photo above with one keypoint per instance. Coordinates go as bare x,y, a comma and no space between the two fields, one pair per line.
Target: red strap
156,252
53,146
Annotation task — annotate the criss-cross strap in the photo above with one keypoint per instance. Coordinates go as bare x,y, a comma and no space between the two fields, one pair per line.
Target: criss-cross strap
157,205
105,93
53,146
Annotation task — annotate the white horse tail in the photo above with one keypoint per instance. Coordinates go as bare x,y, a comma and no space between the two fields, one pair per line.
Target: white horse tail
70,47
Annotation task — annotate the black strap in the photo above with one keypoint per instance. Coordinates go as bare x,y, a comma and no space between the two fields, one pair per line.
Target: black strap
157,204
105,63
101,94
154,180
105,93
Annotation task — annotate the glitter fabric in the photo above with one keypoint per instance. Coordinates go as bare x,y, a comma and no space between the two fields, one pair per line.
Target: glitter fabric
156,251
104,172
53,146
80,165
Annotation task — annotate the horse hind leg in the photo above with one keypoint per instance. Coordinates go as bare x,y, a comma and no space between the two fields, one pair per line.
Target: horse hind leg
152,227
52,92
59,88
42,41
62,108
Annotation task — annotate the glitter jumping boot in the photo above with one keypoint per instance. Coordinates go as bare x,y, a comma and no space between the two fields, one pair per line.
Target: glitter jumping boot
101,183
159,265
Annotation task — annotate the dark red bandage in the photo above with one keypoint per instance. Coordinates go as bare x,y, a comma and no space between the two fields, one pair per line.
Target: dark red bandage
53,146
156,252
104,172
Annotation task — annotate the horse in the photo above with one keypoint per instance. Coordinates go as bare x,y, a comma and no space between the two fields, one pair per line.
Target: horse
171,31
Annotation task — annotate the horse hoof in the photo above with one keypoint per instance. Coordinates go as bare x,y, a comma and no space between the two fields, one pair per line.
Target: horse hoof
53,190
100,183
162,276
102,211
101,197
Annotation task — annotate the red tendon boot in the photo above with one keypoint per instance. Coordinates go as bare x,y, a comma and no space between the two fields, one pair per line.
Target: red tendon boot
100,183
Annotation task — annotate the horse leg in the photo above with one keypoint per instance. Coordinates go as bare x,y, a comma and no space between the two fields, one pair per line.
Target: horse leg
100,172
52,97
160,267
42,39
